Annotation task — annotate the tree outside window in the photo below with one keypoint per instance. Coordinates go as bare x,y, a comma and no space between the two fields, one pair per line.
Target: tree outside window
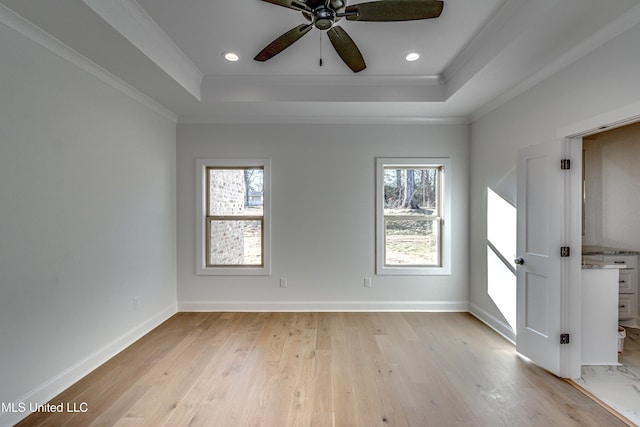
410,215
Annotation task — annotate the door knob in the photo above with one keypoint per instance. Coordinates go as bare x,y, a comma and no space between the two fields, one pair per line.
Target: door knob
519,261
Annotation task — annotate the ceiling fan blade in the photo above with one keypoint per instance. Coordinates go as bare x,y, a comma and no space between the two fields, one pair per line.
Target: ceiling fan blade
394,10
346,48
283,42
291,4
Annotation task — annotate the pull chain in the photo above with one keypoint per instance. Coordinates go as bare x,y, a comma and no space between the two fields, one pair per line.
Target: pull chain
320,48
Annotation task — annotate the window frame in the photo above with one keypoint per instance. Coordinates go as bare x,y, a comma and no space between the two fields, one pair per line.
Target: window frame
203,219
444,219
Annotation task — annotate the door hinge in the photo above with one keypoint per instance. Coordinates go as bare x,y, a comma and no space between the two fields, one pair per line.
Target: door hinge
565,338
565,251
565,164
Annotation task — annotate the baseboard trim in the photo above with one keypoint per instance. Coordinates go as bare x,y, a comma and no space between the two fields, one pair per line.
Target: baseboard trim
304,306
55,385
493,322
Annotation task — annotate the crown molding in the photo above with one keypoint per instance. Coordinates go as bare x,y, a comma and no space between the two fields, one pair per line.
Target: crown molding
134,23
324,119
501,29
312,88
588,45
333,80
25,28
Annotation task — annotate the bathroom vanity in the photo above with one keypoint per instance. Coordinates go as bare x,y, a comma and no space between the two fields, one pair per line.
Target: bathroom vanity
628,280
609,295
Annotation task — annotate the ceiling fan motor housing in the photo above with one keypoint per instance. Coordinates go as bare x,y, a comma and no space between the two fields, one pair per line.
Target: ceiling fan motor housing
323,18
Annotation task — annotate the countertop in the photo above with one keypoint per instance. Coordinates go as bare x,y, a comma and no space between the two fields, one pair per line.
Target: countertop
603,250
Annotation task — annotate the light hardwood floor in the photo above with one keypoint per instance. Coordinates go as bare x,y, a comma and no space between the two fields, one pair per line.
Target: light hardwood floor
323,369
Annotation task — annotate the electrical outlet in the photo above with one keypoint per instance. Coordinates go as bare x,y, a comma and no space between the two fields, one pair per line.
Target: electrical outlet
136,303
367,282
283,282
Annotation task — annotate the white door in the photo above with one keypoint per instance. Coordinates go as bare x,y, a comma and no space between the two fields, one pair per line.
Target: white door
540,218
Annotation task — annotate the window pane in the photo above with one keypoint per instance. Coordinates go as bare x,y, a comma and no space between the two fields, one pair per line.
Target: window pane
411,242
411,188
235,243
236,192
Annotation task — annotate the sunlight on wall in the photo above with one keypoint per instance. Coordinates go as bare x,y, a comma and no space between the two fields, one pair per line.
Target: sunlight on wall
501,252
502,287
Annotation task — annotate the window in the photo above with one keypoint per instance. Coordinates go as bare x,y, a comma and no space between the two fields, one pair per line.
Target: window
234,205
412,224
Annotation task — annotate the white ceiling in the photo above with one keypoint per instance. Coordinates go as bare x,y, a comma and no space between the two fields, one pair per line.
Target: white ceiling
476,55
203,29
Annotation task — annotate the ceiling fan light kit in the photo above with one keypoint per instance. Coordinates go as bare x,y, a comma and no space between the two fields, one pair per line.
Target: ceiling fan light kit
323,14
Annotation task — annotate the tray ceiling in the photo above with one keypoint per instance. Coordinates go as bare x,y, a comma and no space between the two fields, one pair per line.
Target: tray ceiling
473,57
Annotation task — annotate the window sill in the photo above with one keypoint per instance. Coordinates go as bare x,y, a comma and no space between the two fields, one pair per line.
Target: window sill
413,271
233,271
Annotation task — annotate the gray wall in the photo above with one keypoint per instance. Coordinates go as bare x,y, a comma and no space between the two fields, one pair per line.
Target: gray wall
87,221
88,207
323,212
612,188
604,81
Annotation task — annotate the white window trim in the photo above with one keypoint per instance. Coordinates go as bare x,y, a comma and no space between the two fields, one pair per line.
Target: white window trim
201,215
445,268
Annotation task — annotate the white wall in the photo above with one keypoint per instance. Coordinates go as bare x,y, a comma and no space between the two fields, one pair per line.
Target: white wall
87,221
612,188
323,229
604,81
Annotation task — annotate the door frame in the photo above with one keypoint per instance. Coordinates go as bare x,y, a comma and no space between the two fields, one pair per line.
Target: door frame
571,308
571,282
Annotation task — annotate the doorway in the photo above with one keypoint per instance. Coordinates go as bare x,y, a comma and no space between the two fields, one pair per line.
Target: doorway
610,228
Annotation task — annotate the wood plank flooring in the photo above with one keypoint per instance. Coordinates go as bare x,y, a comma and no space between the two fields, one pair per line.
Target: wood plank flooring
323,369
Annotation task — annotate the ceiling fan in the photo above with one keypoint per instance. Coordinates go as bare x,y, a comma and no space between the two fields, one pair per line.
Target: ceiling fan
323,14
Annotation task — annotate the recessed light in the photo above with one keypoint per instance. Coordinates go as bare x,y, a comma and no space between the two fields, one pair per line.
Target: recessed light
231,56
412,56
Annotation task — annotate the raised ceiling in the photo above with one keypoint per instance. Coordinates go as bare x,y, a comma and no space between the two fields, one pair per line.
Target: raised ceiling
473,57
203,29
